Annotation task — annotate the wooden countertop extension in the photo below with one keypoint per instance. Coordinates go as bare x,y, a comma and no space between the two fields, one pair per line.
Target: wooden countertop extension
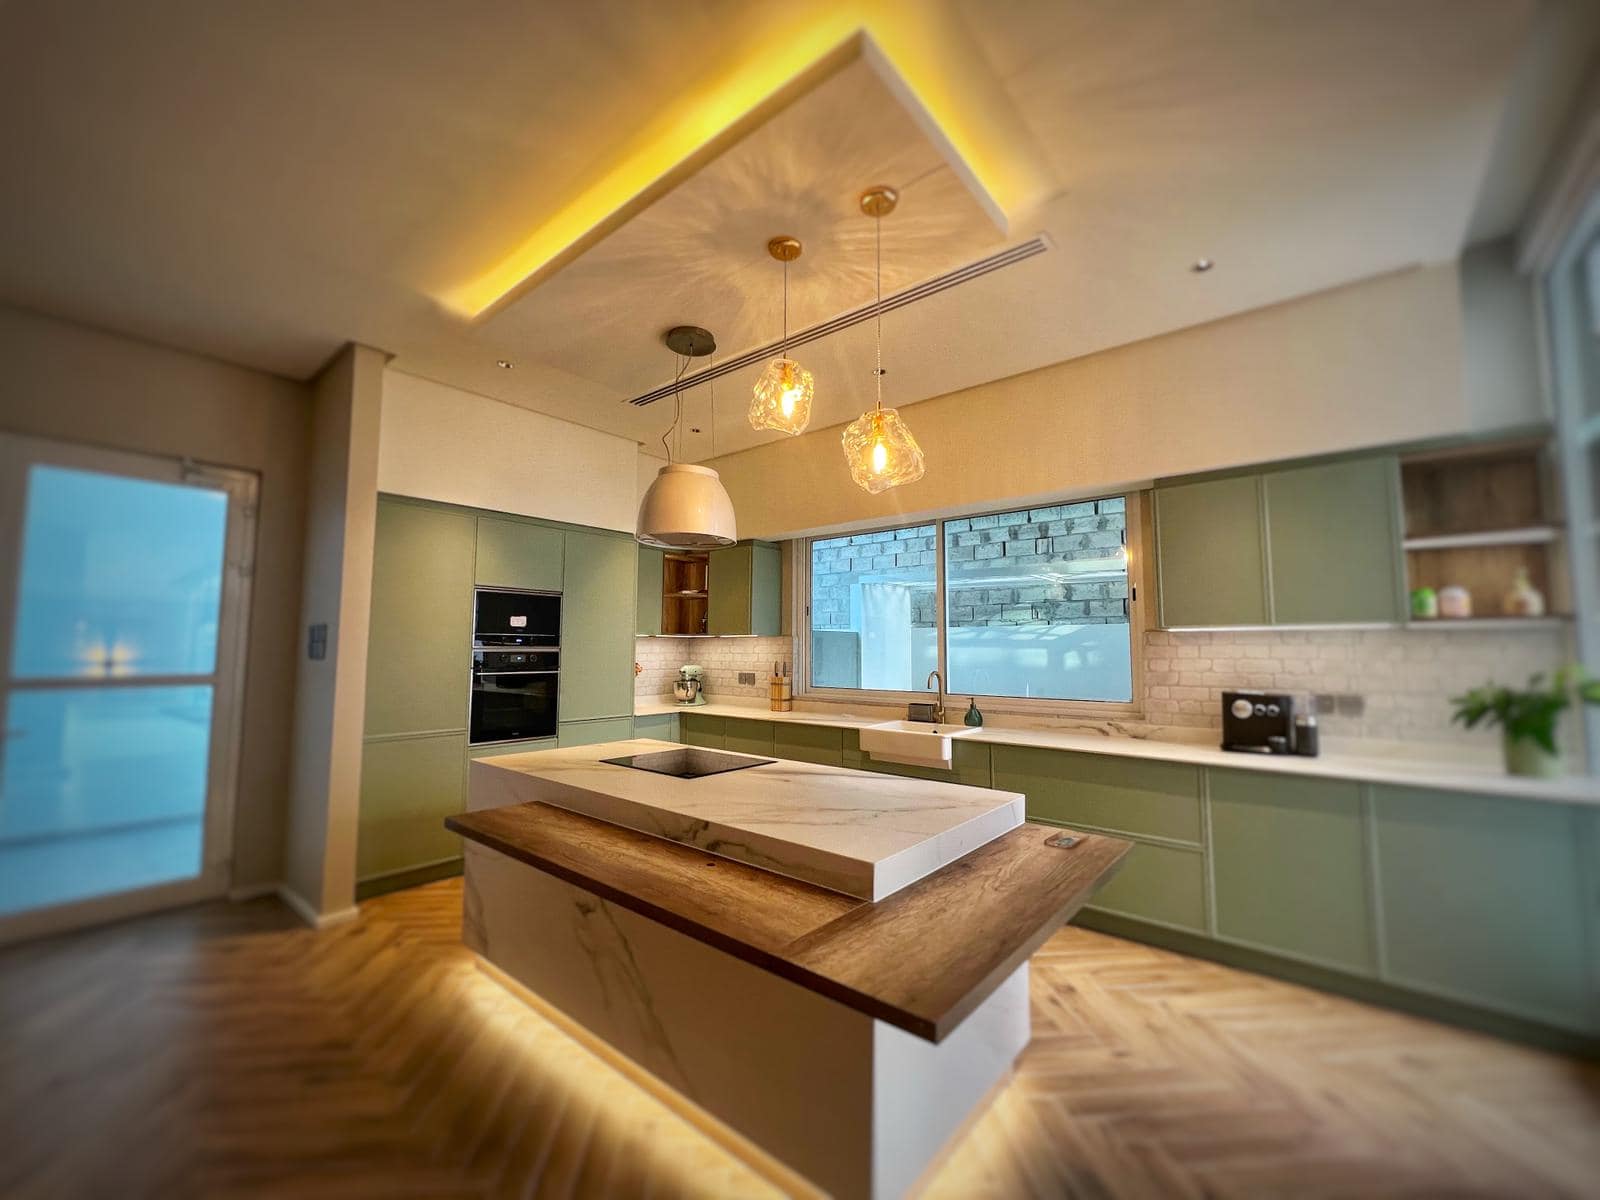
922,959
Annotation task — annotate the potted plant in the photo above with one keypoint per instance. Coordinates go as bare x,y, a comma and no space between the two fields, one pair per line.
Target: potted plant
1527,717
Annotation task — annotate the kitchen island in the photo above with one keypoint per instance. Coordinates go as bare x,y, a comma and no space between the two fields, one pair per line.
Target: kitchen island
826,968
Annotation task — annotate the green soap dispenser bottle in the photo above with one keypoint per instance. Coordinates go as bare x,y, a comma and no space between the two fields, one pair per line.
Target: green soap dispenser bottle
973,717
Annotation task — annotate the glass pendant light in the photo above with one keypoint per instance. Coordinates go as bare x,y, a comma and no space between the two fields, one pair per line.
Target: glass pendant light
686,507
877,445
782,398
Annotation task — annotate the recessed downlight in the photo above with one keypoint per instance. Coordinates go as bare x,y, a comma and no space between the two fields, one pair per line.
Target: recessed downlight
505,364
1201,265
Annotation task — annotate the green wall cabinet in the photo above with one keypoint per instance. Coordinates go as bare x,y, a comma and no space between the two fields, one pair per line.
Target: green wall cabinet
1209,553
648,606
592,733
1484,899
1288,862
408,787
697,729
663,727
421,620
744,590
1333,541
596,620
516,554
1312,545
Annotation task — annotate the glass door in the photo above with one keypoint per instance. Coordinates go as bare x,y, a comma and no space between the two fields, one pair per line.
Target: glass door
123,594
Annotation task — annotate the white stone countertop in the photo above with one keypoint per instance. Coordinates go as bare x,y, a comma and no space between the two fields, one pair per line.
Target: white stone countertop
856,832
1388,769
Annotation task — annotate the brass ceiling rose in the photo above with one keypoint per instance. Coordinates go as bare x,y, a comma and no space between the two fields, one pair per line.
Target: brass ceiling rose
689,340
879,201
784,248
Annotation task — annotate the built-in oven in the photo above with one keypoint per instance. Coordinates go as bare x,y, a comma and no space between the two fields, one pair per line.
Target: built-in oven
516,666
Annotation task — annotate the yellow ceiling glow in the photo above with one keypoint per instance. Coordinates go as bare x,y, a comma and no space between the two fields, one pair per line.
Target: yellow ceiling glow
918,50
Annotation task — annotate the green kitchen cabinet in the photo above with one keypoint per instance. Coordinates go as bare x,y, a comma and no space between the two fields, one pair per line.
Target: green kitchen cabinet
421,620
697,729
744,590
1333,542
592,733
526,747
1288,862
1209,553
597,626
969,764
408,787
651,566
808,743
1485,899
661,726
518,554
1104,791
1163,884
747,737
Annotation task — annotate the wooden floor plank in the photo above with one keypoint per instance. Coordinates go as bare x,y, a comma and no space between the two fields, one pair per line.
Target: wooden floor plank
226,1051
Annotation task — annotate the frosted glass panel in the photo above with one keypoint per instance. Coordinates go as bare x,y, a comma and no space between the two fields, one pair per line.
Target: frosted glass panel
102,789
120,577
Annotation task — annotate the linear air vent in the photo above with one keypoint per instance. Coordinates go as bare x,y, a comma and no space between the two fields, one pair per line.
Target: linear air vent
930,287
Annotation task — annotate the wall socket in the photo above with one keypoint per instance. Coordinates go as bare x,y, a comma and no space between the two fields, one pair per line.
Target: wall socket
747,677
1343,704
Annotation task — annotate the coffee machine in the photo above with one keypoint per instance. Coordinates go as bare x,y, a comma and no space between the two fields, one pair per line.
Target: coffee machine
689,688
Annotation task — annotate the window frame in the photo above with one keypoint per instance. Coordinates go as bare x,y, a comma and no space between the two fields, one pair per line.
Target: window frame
1133,522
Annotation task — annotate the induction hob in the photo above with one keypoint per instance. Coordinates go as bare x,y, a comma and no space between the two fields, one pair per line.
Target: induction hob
687,762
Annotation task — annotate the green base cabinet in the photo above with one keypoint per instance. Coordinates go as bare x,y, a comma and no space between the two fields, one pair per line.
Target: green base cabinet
697,729
808,743
592,733
597,616
747,737
408,787
1163,884
1149,799
517,554
527,747
663,727
1486,899
1288,862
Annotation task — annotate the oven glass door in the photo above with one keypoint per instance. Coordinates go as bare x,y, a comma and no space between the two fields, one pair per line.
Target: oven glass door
513,705
517,618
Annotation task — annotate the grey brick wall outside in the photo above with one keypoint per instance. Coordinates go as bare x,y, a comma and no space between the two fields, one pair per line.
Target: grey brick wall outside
1029,542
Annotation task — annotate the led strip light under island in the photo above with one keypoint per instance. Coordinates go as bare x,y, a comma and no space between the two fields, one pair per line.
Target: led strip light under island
826,969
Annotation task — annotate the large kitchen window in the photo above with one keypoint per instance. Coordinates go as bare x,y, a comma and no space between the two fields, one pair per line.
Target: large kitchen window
1028,605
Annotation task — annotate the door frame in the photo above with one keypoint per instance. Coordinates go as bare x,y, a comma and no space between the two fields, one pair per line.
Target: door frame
17,454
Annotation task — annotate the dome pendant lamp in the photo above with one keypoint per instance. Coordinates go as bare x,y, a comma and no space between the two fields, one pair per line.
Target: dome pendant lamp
686,507
782,398
877,445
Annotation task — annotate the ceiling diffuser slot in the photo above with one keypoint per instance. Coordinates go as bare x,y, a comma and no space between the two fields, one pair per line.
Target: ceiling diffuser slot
930,287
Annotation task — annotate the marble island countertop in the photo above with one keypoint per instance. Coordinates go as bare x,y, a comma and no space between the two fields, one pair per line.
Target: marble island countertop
1131,742
855,832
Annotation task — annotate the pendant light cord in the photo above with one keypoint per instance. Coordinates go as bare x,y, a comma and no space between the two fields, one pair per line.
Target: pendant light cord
677,413
712,384
877,323
785,344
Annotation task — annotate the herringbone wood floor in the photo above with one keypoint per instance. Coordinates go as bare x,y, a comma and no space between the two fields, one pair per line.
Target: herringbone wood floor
226,1051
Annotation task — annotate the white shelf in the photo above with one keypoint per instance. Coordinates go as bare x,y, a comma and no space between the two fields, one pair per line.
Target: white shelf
1486,624
1535,535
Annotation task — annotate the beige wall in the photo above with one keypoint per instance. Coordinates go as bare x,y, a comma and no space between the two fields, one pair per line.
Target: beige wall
442,443
1373,363
67,382
330,693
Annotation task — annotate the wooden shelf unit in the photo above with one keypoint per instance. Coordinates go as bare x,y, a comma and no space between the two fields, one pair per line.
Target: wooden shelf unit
684,596
1473,517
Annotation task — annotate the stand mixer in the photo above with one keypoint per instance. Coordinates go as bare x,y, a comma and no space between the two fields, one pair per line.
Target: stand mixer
689,688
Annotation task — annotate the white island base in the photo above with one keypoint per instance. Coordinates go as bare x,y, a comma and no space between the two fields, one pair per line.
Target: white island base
855,1106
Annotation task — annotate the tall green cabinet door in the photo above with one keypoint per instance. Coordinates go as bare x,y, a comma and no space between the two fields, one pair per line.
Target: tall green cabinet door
648,618
421,614
744,590
1333,539
514,554
597,626
1485,899
1288,862
1208,553
766,589
408,787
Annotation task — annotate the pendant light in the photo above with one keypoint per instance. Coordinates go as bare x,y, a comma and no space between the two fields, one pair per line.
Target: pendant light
782,398
878,446
686,507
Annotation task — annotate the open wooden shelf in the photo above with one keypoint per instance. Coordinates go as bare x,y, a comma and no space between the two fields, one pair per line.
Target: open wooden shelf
1533,535
684,597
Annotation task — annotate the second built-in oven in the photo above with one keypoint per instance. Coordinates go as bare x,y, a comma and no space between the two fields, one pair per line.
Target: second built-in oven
516,666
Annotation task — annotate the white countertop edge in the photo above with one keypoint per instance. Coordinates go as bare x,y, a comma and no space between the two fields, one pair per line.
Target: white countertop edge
1570,789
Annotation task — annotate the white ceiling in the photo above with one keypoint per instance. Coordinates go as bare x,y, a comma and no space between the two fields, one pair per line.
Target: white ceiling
266,179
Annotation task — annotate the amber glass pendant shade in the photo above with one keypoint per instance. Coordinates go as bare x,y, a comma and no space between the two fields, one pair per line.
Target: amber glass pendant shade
782,398
881,451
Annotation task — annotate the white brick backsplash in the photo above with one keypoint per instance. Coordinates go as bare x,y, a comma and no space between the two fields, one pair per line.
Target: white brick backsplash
723,659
